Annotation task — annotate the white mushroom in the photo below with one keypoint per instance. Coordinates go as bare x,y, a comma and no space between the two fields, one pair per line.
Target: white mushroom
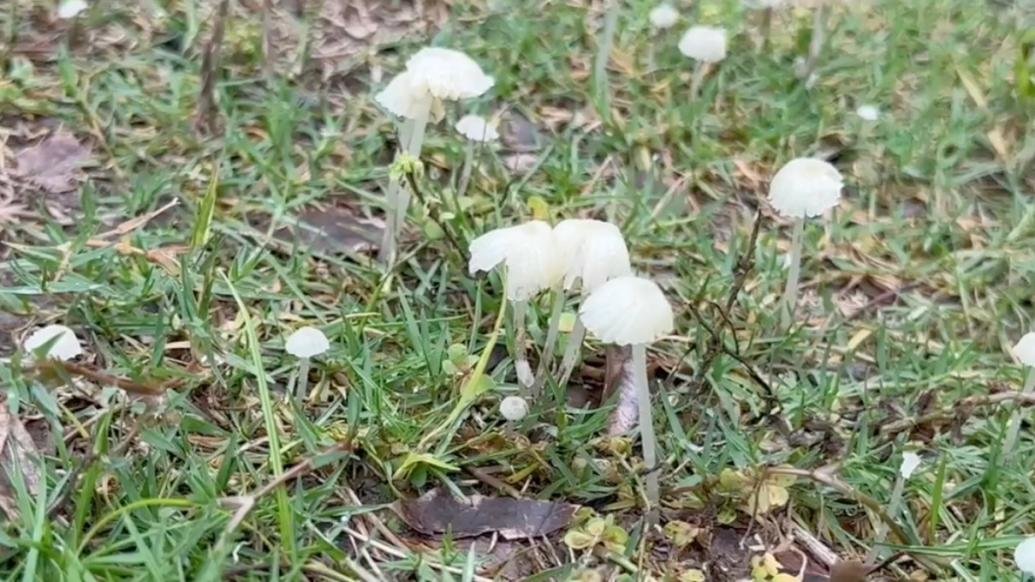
803,187
706,45
529,253
432,75
513,408
631,311
594,253
305,343
910,463
868,112
1024,556
477,130
69,9
1023,352
65,344
663,16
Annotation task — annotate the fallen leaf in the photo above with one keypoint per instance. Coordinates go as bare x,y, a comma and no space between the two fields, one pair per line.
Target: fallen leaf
18,456
334,230
54,163
619,377
438,512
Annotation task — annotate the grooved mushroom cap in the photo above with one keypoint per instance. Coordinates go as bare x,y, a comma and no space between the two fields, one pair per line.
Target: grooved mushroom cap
594,251
403,96
704,43
306,342
448,74
627,311
477,128
663,15
805,187
1024,350
910,463
65,348
71,8
530,253
513,408
1024,555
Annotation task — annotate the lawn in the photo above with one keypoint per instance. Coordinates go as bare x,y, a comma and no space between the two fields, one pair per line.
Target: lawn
185,202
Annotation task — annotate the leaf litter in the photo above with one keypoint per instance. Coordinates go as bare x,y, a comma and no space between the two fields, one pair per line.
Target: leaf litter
439,512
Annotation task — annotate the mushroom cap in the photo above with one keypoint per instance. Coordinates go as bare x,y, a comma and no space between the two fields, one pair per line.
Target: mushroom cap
627,310
594,251
448,74
663,15
405,97
530,253
513,408
477,128
1024,350
71,8
805,187
1024,555
704,43
763,4
868,112
65,348
910,463
306,342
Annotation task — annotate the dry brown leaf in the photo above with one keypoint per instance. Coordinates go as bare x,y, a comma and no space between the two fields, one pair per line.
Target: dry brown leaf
18,456
438,512
334,230
53,164
620,378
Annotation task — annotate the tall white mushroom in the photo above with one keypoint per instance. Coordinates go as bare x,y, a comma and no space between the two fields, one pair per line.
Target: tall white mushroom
64,345
706,45
477,130
803,187
1024,353
631,311
910,463
594,252
529,253
767,7
663,16
432,75
1024,556
305,343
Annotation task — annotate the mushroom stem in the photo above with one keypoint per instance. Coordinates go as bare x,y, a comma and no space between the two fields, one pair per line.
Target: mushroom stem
397,199
650,458
551,336
819,33
465,174
700,70
790,293
571,353
521,365
302,384
1015,421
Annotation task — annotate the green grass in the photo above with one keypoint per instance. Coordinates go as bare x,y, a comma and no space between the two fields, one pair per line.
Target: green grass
932,210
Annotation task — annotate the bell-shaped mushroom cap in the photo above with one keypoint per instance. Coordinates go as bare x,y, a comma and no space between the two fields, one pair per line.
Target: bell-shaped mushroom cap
529,252
448,74
663,15
763,4
594,251
1024,350
513,408
910,463
868,112
627,311
704,43
477,128
404,97
64,348
1024,555
306,342
805,187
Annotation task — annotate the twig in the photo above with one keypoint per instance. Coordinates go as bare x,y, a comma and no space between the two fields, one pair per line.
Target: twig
98,377
493,482
434,215
962,405
205,120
